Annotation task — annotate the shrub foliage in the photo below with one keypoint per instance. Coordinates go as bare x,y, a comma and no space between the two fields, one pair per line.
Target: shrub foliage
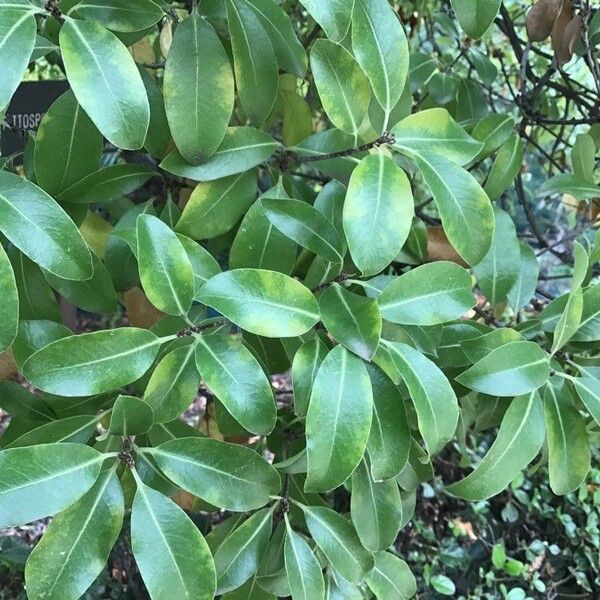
266,186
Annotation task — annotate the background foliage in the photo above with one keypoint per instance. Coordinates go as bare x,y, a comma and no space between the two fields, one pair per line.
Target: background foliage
393,202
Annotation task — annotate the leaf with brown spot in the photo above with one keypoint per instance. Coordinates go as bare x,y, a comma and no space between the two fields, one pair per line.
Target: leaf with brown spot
439,248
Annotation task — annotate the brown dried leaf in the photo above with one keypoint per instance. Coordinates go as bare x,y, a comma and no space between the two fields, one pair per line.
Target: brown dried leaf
571,36
558,31
541,19
8,368
142,313
439,248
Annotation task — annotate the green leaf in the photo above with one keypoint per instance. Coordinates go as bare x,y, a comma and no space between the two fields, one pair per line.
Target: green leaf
443,585
230,476
391,578
499,270
41,229
434,131
582,157
204,265
77,429
342,398
266,303
477,348
304,574
18,401
428,295
74,549
136,15
158,137
476,16
199,93
342,85
130,416
378,213
525,285
259,244
241,149
238,557
67,146
588,390
492,131
519,440
96,294
237,379
432,395
513,369
568,445
305,225
376,509
570,320
289,51
165,269
589,329
466,212
352,320
37,481
254,61
389,440
337,539
92,363
216,206
506,167
380,46
171,554
173,385
332,15
570,184
107,184
98,65
17,39
9,308
306,363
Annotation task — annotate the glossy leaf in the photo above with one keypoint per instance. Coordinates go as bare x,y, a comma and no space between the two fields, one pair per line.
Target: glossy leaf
40,228
87,530
352,320
343,87
241,149
391,578
130,416
165,269
67,146
525,285
237,379
506,167
568,445
9,308
434,131
332,15
216,206
307,360
114,15
304,575
389,440
198,92
513,369
431,393
428,295
238,557
98,65
92,363
255,64
376,509
305,225
338,420
263,302
170,552
17,39
588,390
476,16
499,270
226,475
37,481
380,46
465,210
519,440
378,213
337,539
